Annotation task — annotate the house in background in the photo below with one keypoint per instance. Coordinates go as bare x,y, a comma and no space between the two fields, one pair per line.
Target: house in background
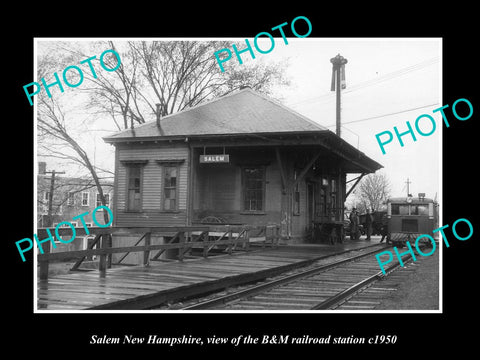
243,159
72,196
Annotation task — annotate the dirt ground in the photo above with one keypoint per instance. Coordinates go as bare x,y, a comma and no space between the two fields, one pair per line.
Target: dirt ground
419,290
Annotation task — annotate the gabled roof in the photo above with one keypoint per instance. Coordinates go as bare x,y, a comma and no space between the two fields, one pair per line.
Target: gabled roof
242,112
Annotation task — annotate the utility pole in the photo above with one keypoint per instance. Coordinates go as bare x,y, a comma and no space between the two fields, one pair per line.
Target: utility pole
50,197
408,182
46,246
338,69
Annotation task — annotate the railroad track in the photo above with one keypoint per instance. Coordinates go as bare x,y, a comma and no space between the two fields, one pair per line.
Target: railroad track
322,285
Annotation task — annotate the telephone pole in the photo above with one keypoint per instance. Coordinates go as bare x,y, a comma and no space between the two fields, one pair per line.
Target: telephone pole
408,182
49,222
338,69
50,196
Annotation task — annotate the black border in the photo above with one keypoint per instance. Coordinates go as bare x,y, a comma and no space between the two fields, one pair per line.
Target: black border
47,333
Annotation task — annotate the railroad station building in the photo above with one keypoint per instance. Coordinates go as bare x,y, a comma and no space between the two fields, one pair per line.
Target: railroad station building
239,159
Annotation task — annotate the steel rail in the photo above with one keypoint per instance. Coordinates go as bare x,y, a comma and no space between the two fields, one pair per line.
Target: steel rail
271,284
335,299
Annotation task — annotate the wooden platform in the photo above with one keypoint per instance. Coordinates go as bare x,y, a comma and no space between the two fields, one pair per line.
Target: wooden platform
138,287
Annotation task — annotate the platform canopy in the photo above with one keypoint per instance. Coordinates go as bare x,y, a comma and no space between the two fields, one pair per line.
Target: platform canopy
247,117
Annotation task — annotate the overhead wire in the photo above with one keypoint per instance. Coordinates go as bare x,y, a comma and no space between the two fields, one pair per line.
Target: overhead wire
371,82
384,115
391,75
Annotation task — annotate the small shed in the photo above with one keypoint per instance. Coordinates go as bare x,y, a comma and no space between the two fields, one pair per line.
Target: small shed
240,159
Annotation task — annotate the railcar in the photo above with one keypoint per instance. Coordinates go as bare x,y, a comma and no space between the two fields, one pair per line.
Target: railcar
410,217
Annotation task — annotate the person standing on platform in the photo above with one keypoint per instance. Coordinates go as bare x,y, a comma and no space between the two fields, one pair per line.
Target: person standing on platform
384,228
369,223
354,224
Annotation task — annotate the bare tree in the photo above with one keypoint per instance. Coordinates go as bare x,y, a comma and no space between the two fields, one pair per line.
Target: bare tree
51,123
372,191
175,74
56,133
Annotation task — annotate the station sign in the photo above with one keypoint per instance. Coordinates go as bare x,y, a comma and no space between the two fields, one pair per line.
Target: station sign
215,159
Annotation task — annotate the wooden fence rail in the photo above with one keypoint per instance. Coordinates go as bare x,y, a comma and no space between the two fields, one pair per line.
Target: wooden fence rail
183,238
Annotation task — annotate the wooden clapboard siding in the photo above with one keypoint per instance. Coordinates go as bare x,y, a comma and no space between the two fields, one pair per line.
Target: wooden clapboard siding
218,188
121,187
152,213
151,218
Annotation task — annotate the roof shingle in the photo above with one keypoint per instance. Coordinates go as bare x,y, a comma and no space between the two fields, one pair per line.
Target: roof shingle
242,112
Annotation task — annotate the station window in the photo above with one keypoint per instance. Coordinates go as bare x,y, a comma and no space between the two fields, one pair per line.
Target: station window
134,191
170,194
253,183
322,206
333,195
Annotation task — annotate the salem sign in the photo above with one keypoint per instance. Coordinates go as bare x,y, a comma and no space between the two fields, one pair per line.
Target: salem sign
213,159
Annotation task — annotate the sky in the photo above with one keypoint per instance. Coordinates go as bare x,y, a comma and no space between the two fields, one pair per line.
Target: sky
383,76
389,81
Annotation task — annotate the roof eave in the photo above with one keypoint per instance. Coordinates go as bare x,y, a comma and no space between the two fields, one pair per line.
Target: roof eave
327,139
117,139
